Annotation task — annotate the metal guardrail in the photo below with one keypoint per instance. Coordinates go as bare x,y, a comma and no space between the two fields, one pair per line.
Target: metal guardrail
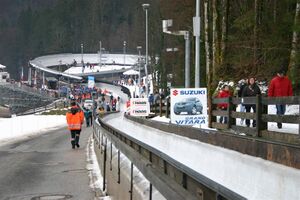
51,106
171,178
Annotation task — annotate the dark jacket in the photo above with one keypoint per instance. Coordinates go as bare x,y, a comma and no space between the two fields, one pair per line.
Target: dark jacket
240,92
251,90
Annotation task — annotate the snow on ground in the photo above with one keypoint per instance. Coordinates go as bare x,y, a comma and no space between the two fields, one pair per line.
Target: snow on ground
272,126
94,172
68,58
16,127
97,68
251,177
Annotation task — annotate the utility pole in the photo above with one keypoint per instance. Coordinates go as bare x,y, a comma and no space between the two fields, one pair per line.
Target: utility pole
196,23
139,63
81,53
186,34
124,52
146,7
100,55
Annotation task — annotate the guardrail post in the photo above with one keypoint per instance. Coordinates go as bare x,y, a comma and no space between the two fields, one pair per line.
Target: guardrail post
229,109
104,164
167,107
119,170
260,110
150,192
131,181
111,155
299,118
99,143
160,106
211,107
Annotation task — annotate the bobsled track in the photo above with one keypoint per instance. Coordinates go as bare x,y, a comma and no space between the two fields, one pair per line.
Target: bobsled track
141,158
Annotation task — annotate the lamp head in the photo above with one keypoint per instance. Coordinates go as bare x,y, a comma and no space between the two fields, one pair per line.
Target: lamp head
146,6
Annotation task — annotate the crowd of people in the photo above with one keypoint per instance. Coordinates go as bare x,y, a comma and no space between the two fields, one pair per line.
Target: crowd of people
104,101
280,86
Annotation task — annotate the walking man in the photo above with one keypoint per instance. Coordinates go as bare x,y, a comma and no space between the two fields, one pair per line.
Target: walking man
75,120
280,86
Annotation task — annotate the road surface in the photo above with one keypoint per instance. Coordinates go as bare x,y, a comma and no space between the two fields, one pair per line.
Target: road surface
45,167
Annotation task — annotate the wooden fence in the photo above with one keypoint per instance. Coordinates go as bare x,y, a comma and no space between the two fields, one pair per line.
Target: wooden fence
162,108
261,116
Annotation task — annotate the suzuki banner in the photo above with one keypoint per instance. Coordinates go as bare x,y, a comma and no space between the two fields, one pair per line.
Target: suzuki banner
139,107
188,106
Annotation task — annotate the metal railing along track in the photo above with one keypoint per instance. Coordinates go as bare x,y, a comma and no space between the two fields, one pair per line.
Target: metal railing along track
170,177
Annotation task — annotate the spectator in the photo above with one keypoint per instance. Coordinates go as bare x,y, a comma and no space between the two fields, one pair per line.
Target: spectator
74,63
107,107
111,98
101,111
280,86
224,93
151,99
155,98
118,106
88,117
249,91
241,85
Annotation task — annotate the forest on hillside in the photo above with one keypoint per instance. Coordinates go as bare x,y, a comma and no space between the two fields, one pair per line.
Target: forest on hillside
239,38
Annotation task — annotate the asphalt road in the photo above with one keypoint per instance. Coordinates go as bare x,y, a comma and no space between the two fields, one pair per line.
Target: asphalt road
45,167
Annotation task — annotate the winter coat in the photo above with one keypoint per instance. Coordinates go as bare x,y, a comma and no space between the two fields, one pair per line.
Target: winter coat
251,90
87,114
280,87
240,92
223,94
74,119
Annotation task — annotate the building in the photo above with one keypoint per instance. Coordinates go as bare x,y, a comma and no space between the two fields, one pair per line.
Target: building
4,76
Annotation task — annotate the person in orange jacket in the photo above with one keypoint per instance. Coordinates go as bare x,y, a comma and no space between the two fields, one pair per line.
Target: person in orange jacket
75,118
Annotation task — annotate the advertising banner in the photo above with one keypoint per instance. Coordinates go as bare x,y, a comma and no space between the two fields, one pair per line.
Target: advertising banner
188,106
91,81
139,107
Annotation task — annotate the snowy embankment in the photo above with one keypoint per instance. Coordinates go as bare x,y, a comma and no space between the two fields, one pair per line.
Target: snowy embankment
21,126
272,126
251,177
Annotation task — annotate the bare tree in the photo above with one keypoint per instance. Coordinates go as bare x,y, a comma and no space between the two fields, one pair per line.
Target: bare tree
225,9
274,11
294,62
215,58
207,47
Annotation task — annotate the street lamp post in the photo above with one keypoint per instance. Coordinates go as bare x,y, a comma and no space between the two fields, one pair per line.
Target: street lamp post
196,23
81,53
146,7
139,63
168,23
124,51
100,55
